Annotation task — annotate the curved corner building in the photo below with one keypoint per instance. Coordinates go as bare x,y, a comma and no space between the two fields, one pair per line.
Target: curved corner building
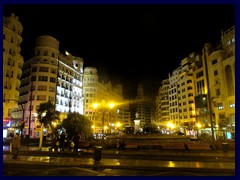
51,76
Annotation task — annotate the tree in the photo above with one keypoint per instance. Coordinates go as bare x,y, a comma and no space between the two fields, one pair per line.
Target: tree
150,128
76,123
51,115
224,122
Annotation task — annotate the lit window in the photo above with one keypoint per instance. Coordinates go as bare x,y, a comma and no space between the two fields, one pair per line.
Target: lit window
220,106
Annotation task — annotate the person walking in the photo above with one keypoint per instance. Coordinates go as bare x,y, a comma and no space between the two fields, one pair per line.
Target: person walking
76,140
15,146
61,141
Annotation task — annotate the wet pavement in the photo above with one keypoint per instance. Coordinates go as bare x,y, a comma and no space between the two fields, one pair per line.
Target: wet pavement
124,163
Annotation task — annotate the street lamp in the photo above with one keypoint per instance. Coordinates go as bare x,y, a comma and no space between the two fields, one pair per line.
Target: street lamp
41,133
93,127
103,107
171,126
198,127
118,126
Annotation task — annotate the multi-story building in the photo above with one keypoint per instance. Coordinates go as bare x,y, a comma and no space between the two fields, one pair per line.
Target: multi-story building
162,103
201,90
181,95
50,76
221,75
173,96
102,93
12,72
186,104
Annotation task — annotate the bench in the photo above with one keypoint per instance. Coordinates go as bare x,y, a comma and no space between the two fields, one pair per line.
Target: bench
169,146
131,146
198,146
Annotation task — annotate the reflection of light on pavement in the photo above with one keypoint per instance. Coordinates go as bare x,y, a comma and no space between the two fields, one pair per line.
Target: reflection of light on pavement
117,162
44,159
171,164
197,165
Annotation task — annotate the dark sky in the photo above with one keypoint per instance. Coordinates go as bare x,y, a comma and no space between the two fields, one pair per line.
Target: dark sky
129,44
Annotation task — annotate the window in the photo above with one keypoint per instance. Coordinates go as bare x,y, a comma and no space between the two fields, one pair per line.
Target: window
52,79
221,116
33,78
215,73
34,69
43,69
41,98
42,88
217,92
220,106
190,102
200,74
53,71
51,98
214,61
42,78
52,89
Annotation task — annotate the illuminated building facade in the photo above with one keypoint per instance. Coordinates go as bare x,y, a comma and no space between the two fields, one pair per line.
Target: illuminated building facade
221,70
12,72
162,103
174,79
51,76
101,92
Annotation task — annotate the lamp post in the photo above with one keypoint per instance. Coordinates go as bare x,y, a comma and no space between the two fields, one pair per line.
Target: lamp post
41,133
103,107
171,126
198,127
23,113
118,126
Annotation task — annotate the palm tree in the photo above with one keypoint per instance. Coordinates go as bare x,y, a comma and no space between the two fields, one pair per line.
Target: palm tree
47,115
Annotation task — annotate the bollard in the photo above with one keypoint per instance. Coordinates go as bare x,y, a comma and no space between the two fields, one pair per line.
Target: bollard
97,153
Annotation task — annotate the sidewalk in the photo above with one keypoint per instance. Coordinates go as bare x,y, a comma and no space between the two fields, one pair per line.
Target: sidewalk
123,163
137,152
119,163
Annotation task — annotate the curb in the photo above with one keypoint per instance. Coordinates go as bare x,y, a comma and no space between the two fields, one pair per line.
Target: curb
98,165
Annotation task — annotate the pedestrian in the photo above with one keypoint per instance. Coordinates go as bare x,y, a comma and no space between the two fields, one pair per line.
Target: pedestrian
61,141
15,146
44,139
121,144
76,140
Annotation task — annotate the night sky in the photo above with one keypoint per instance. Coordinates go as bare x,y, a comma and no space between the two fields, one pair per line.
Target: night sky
128,44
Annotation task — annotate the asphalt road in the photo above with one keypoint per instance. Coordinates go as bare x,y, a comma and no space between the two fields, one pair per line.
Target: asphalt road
38,170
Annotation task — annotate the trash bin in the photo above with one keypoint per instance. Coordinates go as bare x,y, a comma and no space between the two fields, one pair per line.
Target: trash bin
97,153
224,146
